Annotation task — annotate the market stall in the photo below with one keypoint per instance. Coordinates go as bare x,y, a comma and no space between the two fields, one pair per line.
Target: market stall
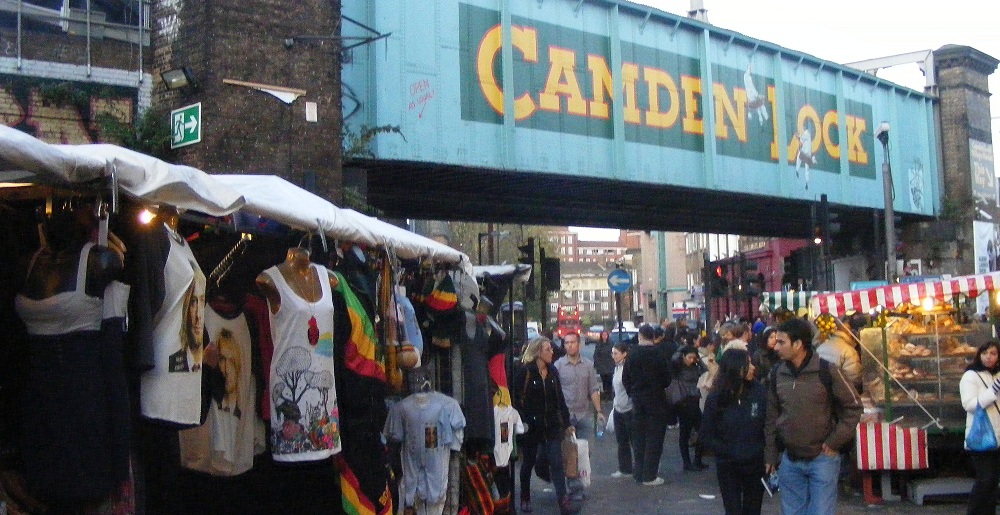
376,298
912,362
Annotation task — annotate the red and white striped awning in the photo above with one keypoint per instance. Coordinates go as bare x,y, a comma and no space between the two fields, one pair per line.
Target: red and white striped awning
895,295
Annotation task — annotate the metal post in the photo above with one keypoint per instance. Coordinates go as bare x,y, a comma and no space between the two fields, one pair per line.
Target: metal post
543,306
887,196
618,309
489,243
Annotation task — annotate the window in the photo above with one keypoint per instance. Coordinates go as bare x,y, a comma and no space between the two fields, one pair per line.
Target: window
604,294
605,306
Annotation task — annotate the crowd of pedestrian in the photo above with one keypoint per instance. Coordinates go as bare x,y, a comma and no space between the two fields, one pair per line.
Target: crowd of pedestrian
762,399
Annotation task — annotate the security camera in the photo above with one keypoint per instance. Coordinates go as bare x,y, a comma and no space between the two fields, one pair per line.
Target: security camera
882,133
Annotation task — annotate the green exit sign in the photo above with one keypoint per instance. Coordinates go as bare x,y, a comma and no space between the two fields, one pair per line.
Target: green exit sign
185,126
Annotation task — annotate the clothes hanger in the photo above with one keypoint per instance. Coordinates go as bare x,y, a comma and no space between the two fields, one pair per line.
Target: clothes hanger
226,264
425,386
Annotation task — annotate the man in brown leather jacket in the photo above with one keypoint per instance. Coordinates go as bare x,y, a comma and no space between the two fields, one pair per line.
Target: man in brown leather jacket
812,411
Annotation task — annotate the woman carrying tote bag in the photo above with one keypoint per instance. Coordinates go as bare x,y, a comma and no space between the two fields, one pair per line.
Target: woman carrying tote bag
979,388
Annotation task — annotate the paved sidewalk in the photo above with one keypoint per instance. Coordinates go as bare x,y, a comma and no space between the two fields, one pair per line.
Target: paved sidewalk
687,493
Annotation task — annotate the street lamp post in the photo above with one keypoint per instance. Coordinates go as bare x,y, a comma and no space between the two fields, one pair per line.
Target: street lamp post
490,250
887,195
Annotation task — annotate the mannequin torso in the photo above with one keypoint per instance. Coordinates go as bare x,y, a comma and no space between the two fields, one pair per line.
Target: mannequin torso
299,275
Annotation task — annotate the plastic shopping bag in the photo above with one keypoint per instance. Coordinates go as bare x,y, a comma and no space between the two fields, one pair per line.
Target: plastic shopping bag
583,461
981,436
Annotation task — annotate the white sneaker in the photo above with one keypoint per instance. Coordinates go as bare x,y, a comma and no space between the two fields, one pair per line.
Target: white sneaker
656,482
617,474
672,426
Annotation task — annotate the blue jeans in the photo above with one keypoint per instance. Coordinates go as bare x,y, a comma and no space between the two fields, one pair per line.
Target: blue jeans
809,487
584,425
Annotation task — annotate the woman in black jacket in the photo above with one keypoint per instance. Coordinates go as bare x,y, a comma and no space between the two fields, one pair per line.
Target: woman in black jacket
538,397
733,426
688,370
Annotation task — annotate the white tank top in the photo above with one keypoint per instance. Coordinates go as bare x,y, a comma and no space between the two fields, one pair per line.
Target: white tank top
305,423
171,391
64,312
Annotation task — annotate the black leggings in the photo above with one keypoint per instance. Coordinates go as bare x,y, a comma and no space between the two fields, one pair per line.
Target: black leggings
690,417
740,486
983,499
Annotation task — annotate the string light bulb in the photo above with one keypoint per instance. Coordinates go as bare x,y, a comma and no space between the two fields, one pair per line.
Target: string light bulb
146,217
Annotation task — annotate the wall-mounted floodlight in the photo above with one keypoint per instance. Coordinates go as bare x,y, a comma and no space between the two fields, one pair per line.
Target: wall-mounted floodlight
178,78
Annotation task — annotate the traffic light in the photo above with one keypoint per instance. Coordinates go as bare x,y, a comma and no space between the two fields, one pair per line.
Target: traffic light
527,257
826,223
719,280
791,275
550,273
753,282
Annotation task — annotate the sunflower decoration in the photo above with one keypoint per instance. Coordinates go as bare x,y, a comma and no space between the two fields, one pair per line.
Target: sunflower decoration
827,324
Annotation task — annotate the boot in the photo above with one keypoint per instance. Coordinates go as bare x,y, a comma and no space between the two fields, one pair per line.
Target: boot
526,502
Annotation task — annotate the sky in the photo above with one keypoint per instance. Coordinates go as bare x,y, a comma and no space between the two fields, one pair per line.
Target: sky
844,31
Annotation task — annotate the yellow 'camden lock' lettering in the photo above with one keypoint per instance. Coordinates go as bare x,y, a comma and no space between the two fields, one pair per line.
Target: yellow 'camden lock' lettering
669,98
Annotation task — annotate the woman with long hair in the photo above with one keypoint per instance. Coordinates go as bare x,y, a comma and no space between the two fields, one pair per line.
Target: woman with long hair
624,416
538,397
733,427
979,388
688,371
765,356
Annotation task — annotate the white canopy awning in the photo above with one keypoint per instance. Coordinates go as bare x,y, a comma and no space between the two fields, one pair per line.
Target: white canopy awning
272,197
24,158
159,182
406,244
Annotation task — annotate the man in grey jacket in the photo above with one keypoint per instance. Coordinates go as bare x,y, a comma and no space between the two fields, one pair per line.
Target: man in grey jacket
812,413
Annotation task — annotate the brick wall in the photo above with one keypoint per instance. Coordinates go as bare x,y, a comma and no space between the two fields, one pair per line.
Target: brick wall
962,74
249,131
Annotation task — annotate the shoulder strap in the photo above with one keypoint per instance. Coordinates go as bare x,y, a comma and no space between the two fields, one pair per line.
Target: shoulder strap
987,385
826,377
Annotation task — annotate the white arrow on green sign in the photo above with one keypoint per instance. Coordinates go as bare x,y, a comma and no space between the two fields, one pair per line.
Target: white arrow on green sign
185,126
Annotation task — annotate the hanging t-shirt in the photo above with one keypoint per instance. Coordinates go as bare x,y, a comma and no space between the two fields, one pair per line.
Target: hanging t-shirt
232,434
305,422
171,390
430,426
508,424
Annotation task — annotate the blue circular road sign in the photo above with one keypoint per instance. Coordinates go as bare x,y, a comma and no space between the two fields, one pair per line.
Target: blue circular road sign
619,280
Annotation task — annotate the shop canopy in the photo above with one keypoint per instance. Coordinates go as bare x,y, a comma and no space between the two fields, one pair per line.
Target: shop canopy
24,158
404,243
895,295
792,300
275,198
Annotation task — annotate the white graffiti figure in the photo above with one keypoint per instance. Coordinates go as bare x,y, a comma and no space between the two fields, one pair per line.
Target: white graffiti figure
756,103
805,158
